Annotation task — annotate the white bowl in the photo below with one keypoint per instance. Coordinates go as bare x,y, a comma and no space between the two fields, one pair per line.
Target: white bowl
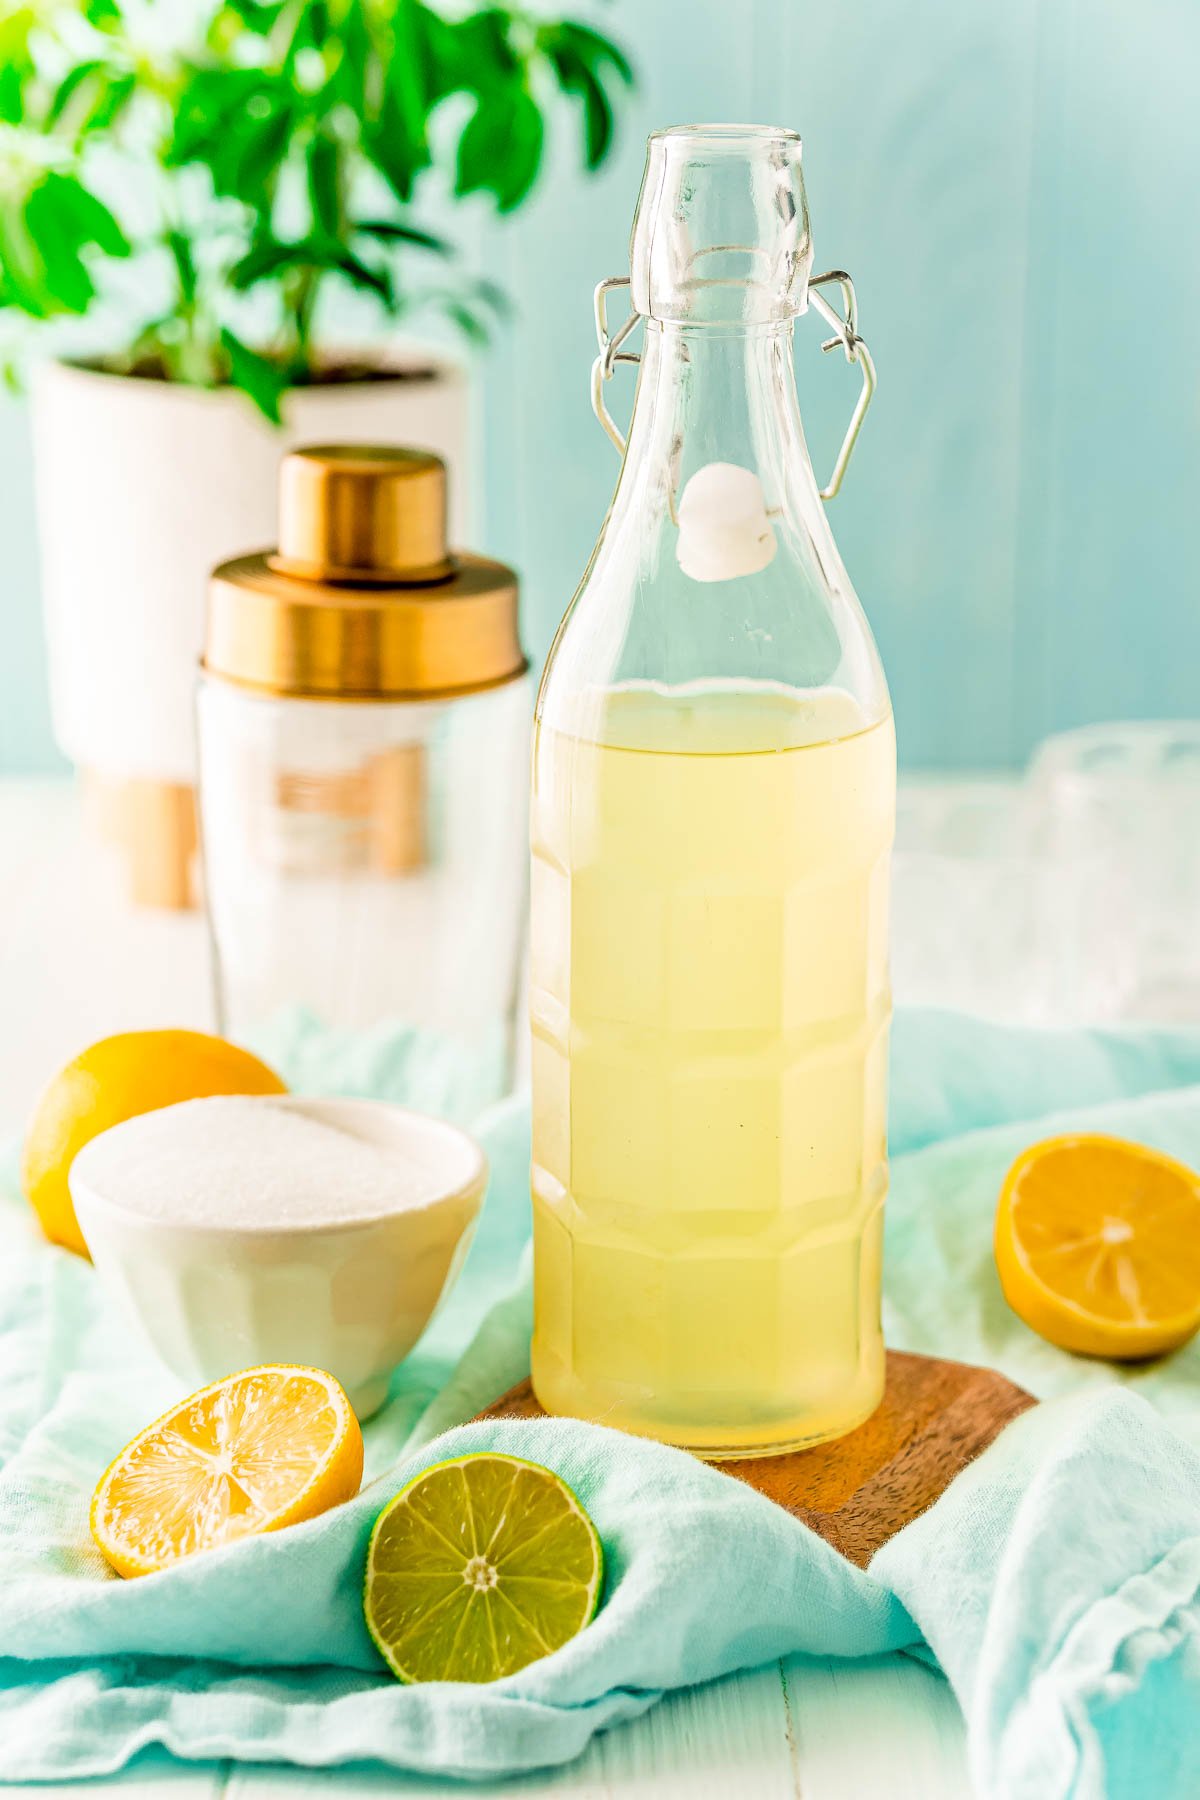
348,1296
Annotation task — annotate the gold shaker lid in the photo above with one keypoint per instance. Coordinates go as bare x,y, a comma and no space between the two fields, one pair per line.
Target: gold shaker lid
376,515
362,600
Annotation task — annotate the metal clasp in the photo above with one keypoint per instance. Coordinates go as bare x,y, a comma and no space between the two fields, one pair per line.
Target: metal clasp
611,353
844,327
846,334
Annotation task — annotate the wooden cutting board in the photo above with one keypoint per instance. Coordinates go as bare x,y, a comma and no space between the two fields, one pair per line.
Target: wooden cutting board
856,1493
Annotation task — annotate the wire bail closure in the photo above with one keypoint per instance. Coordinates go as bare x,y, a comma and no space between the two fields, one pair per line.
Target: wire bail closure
845,332
611,353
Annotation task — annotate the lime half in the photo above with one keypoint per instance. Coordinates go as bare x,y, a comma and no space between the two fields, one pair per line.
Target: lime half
480,1566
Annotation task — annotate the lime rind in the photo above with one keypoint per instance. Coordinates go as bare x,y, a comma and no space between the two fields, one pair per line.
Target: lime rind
473,1596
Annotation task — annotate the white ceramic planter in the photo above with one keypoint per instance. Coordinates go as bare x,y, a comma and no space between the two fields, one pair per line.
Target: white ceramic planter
142,487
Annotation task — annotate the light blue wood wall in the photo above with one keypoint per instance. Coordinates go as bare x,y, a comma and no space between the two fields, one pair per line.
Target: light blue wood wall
1014,189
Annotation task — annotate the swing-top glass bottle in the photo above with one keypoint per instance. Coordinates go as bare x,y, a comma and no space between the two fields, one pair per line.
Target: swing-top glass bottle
713,811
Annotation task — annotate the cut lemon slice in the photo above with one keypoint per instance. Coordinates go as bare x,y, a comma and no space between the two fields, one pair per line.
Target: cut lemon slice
477,1567
1098,1246
252,1453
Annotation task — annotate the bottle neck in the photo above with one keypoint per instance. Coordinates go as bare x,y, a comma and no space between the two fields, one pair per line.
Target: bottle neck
717,394
716,563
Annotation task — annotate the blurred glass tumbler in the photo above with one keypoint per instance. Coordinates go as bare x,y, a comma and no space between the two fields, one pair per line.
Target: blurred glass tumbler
364,715
963,903
1115,813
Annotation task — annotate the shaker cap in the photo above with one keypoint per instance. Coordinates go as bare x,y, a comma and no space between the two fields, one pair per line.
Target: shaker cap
721,232
362,600
369,513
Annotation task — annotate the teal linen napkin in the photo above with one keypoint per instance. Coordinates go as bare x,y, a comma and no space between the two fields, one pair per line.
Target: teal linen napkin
1056,1582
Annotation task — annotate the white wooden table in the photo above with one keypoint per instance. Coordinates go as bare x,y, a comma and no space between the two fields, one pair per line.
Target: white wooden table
75,965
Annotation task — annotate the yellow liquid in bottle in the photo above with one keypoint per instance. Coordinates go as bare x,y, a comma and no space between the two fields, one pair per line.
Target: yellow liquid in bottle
710,1007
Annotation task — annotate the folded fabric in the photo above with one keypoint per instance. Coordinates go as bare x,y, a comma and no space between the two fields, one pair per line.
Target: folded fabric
1056,1581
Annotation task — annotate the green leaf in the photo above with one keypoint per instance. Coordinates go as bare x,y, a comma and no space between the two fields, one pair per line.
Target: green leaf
355,80
105,15
63,221
476,52
407,75
262,380
314,29
271,257
435,43
22,271
360,275
268,257
16,63
393,231
593,49
387,144
253,175
324,184
577,54
598,122
212,102
46,241
12,94
88,218
468,321
116,93
185,266
67,283
239,124
501,148
233,20
82,74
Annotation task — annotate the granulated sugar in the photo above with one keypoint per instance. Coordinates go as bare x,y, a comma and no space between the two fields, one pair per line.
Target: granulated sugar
231,1161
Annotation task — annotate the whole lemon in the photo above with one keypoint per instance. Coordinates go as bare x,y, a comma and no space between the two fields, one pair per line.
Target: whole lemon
134,1072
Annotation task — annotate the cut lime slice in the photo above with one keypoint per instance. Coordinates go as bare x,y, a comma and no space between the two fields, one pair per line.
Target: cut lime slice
477,1567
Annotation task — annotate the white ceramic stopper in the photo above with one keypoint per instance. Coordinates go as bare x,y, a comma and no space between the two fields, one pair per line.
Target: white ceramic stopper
723,526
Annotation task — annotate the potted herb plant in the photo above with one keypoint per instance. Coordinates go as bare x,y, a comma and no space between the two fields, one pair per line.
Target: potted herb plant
199,229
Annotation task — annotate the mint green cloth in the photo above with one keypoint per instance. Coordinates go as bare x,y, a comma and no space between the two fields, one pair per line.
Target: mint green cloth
1055,1582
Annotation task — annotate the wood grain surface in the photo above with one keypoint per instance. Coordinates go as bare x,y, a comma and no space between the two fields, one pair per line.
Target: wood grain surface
856,1493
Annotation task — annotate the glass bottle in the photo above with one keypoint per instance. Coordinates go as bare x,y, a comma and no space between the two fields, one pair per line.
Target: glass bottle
712,816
